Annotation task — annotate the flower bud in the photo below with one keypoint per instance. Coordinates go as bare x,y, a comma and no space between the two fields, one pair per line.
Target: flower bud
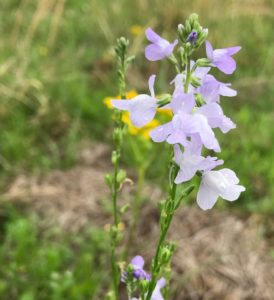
203,62
114,157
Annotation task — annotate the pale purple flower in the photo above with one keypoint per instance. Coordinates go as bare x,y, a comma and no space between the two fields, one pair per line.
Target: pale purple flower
160,48
188,162
211,89
138,268
191,161
184,126
156,295
223,183
221,58
215,117
142,108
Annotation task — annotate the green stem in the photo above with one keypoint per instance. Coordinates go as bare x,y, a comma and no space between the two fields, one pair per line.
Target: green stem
156,268
121,55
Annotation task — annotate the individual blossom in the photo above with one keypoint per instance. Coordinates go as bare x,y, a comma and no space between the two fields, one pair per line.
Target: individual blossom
138,269
159,47
211,89
215,117
141,108
222,183
221,58
191,161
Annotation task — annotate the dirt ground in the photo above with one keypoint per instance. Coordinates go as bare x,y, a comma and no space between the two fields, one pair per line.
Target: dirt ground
219,255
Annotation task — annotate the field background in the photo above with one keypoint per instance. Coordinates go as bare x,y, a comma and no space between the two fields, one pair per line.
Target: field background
56,67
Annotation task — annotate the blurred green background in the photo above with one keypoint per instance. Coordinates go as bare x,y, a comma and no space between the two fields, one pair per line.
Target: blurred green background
57,65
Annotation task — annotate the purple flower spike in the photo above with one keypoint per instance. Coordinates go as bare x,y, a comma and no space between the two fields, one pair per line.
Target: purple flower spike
223,183
160,48
192,37
221,58
142,108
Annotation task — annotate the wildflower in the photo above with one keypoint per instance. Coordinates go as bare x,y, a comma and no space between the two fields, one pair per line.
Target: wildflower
211,89
136,30
221,58
223,183
191,161
156,295
215,117
160,48
183,126
142,108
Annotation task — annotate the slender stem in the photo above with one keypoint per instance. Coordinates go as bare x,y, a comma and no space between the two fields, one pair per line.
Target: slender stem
118,139
169,213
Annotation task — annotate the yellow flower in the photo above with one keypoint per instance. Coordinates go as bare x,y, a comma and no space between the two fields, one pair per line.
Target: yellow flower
144,131
43,51
165,111
136,30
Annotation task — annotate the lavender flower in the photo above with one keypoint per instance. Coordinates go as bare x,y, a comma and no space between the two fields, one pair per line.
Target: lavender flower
160,48
191,161
221,58
223,183
156,295
215,117
211,89
138,272
184,126
142,108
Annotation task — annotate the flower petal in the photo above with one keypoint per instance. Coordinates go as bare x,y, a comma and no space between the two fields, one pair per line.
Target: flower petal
232,193
152,36
227,64
209,50
138,262
160,133
206,197
233,50
151,82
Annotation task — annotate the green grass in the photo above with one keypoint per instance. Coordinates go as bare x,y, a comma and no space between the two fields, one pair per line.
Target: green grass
50,264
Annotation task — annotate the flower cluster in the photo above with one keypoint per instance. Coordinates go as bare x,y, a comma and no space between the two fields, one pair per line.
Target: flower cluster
196,111
136,277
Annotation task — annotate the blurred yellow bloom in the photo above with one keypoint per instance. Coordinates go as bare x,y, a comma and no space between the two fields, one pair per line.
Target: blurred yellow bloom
144,131
43,51
136,30
165,111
